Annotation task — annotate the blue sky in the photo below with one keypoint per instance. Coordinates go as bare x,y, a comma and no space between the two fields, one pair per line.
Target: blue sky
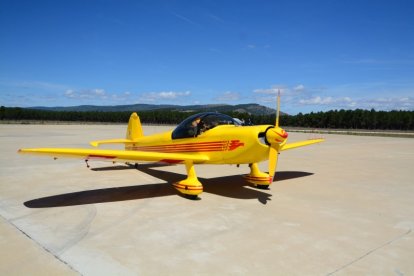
322,55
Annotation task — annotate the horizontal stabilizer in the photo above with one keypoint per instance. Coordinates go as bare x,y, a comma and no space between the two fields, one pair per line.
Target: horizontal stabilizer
301,144
134,132
111,141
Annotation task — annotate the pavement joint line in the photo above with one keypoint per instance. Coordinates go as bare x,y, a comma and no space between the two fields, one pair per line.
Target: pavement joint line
372,251
41,246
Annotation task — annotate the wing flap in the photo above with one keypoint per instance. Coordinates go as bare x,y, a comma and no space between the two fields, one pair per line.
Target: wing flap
302,143
114,155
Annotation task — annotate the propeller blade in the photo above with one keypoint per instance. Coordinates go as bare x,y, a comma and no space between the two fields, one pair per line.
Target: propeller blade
277,139
277,109
273,155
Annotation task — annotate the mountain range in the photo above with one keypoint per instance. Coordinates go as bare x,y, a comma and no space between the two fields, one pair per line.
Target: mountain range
252,108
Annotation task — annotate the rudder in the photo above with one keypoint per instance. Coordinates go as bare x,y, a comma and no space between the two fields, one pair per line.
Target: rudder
134,130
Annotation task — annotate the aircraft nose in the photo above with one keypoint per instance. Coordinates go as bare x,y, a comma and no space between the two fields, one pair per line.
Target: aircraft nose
276,135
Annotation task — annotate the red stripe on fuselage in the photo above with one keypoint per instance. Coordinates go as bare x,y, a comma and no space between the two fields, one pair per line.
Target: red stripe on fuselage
193,147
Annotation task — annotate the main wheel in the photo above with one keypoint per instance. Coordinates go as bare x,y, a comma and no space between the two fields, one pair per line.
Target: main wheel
192,197
263,187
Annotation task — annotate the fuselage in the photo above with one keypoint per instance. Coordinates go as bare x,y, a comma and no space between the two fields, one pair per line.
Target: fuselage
223,144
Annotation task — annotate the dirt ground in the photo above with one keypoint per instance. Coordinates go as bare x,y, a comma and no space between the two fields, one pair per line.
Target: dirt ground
341,207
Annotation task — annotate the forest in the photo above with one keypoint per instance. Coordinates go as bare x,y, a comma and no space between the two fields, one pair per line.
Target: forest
334,119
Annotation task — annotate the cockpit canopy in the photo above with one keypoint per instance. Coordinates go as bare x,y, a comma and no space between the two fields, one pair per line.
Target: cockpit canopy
201,122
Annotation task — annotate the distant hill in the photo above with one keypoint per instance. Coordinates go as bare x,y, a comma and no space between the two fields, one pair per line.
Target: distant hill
252,108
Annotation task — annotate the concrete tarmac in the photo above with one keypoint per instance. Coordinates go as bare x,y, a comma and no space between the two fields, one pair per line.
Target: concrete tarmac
341,207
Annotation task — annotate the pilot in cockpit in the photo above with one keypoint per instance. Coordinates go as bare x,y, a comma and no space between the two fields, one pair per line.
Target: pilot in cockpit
195,127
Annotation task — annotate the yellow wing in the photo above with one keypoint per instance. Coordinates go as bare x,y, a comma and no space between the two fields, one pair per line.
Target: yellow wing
116,155
301,144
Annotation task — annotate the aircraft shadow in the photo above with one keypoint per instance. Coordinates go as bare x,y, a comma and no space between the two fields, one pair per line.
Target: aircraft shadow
127,167
113,168
227,186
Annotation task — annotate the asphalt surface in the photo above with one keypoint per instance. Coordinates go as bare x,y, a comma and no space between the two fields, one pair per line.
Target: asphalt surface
341,207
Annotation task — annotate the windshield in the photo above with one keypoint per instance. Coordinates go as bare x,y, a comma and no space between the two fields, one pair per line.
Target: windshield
200,123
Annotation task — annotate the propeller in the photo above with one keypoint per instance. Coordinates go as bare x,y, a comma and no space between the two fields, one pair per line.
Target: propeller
276,137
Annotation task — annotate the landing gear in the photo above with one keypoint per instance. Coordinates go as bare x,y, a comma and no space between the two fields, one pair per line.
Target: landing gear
262,187
258,178
189,187
192,197
130,165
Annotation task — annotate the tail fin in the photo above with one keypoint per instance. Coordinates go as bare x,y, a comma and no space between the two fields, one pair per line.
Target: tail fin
134,130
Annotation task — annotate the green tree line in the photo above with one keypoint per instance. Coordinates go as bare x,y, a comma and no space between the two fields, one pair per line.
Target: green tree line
341,119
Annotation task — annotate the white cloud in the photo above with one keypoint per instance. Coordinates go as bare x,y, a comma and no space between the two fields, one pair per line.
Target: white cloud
391,103
70,93
228,96
99,96
164,95
266,99
284,90
301,97
317,100
125,97
299,88
270,91
289,94
269,95
97,93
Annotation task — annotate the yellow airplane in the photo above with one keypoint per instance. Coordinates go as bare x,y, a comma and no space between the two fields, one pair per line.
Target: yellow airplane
204,138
